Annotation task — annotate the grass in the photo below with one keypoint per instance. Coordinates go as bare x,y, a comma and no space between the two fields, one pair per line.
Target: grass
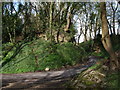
95,66
38,55
113,80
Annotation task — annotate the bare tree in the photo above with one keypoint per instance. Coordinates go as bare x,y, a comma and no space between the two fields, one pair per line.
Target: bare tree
50,22
114,12
106,38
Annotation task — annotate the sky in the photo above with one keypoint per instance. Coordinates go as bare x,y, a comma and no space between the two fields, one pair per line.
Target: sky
77,24
117,27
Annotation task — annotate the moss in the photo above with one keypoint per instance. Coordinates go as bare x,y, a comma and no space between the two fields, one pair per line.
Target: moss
87,82
89,78
113,80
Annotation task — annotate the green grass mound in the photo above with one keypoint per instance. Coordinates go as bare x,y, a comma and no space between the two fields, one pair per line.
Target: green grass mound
38,55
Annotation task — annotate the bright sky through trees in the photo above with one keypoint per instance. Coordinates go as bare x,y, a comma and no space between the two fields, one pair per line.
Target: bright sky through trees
82,16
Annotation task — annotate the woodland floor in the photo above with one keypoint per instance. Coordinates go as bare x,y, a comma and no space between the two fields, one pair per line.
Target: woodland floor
44,80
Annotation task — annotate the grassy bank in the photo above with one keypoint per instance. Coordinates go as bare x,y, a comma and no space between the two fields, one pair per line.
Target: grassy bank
38,55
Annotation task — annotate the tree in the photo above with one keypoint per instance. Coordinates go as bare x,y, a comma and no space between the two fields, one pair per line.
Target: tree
114,12
11,22
50,21
106,38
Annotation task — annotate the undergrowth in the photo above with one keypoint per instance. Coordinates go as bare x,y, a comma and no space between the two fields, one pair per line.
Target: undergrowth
113,80
39,54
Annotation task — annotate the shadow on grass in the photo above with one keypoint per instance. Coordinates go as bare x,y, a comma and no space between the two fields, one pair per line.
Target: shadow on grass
18,46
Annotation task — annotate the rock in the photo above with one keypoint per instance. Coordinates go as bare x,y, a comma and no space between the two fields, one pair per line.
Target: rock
47,69
90,78
105,68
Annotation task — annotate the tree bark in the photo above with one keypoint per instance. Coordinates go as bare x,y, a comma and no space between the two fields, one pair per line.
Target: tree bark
50,22
114,12
106,37
68,22
109,26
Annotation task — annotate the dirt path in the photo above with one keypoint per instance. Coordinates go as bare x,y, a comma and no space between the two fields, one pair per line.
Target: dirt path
38,79
49,79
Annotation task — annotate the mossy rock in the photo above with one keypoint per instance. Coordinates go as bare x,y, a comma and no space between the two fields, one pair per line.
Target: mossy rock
89,78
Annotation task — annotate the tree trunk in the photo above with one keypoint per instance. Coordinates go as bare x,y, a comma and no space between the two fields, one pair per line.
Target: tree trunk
68,22
86,25
90,31
58,33
50,22
95,28
10,36
109,26
114,12
106,37
85,34
113,22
